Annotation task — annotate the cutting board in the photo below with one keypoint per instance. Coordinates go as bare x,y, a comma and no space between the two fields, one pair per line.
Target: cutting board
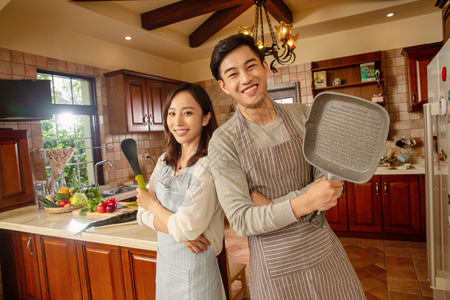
105,215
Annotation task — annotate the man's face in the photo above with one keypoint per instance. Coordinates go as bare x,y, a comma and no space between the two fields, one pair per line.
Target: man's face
245,78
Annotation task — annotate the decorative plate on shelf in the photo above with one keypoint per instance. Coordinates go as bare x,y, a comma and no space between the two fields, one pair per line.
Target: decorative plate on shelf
60,210
419,166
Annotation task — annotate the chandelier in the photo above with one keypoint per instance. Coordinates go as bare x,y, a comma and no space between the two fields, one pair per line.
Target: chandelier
284,55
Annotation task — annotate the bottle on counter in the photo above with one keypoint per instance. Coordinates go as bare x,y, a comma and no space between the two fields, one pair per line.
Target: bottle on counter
39,191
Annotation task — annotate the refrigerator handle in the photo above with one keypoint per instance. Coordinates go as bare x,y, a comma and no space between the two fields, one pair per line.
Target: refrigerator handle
429,192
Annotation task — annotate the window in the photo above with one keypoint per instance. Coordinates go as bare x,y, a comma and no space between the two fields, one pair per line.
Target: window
74,125
285,93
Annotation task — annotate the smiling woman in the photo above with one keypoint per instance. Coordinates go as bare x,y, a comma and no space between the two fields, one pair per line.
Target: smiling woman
74,125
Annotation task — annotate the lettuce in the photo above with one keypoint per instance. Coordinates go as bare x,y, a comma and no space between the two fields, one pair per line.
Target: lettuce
79,199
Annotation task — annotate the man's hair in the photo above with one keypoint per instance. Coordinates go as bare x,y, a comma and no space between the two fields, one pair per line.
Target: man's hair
225,46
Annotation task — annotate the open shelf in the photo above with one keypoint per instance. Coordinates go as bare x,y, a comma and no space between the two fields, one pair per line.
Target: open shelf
346,85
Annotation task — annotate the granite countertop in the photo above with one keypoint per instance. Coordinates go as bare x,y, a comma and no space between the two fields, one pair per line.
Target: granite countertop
32,220
394,171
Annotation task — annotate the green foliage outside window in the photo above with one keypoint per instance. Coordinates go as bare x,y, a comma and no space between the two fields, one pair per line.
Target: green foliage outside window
70,130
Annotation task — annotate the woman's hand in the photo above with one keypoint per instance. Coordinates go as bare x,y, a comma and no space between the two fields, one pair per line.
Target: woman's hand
259,200
198,245
146,199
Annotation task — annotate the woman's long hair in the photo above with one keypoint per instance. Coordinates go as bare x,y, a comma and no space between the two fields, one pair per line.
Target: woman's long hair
173,148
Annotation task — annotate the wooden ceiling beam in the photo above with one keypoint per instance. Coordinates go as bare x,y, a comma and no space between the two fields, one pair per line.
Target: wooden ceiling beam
279,10
215,23
184,10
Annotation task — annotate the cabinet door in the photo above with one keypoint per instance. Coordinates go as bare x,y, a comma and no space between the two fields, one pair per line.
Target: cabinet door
423,212
137,110
100,271
337,216
16,183
401,205
139,273
364,206
28,266
167,88
58,269
417,60
155,95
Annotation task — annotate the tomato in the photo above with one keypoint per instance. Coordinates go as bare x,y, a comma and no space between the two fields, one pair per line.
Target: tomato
64,203
111,202
101,208
110,207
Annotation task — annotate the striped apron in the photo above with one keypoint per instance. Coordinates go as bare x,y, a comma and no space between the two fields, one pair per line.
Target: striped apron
297,261
181,274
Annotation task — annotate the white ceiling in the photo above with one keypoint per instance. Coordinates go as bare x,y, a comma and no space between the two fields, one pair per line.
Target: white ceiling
111,21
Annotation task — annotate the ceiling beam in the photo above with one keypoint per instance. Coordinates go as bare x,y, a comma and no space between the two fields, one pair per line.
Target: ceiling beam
184,10
279,10
215,23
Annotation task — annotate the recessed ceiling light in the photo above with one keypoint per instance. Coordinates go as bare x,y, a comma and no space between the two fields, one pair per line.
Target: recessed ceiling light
390,15
128,38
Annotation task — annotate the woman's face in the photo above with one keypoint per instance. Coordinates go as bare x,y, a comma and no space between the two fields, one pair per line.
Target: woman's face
185,119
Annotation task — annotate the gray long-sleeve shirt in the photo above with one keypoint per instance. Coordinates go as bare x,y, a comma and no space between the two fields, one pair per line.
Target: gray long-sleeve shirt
231,179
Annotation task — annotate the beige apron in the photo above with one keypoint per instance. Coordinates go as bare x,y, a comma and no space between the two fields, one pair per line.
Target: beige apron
297,261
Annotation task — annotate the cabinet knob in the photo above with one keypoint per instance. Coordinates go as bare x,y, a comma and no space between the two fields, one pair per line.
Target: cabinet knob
385,188
376,188
28,245
145,120
414,97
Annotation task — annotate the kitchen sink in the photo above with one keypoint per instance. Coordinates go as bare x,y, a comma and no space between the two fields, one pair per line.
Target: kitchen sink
118,190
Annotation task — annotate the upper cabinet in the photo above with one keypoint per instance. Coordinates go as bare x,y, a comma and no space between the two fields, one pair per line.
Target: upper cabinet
16,182
417,59
346,73
136,101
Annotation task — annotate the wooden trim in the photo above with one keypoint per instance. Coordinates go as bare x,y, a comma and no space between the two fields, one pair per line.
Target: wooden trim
143,75
382,236
184,10
292,88
421,47
215,23
279,10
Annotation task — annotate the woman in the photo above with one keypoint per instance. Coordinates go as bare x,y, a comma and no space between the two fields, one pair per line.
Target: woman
182,204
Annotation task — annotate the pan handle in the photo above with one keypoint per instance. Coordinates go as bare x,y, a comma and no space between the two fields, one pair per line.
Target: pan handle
317,218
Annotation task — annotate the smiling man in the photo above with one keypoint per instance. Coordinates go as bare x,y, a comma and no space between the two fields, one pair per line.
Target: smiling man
269,191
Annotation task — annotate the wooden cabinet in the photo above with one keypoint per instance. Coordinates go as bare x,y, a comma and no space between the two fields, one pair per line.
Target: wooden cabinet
349,71
417,59
364,206
100,271
337,216
401,204
43,267
16,183
139,273
58,270
136,101
387,206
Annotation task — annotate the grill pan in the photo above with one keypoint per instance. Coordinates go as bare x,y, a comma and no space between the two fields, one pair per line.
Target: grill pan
345,136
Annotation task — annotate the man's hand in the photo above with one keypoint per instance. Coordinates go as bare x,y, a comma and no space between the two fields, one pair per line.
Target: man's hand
198,245
321,196
259,200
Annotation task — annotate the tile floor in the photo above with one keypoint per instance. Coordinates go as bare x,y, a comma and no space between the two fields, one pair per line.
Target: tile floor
388,270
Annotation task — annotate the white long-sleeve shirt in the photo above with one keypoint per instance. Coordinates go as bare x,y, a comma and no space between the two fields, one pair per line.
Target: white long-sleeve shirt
200,212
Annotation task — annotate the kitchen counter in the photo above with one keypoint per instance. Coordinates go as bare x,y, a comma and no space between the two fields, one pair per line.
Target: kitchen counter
394,171
31,220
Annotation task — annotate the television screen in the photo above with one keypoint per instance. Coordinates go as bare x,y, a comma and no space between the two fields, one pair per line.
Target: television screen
25,100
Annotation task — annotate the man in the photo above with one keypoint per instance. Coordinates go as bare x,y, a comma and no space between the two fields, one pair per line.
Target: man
266,187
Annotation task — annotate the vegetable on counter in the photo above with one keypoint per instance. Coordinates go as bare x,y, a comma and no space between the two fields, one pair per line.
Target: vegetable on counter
46,203
120,218
65,203
94,198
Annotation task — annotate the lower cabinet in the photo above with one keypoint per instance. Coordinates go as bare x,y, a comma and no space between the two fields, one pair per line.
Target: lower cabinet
385,205
43,267
139,273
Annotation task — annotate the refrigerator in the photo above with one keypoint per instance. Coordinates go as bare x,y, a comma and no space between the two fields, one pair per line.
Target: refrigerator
437,185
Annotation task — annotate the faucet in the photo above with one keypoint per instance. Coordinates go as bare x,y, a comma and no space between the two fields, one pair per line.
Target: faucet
95,170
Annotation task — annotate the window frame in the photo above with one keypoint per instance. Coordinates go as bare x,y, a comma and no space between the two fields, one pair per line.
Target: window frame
286,90
87,110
